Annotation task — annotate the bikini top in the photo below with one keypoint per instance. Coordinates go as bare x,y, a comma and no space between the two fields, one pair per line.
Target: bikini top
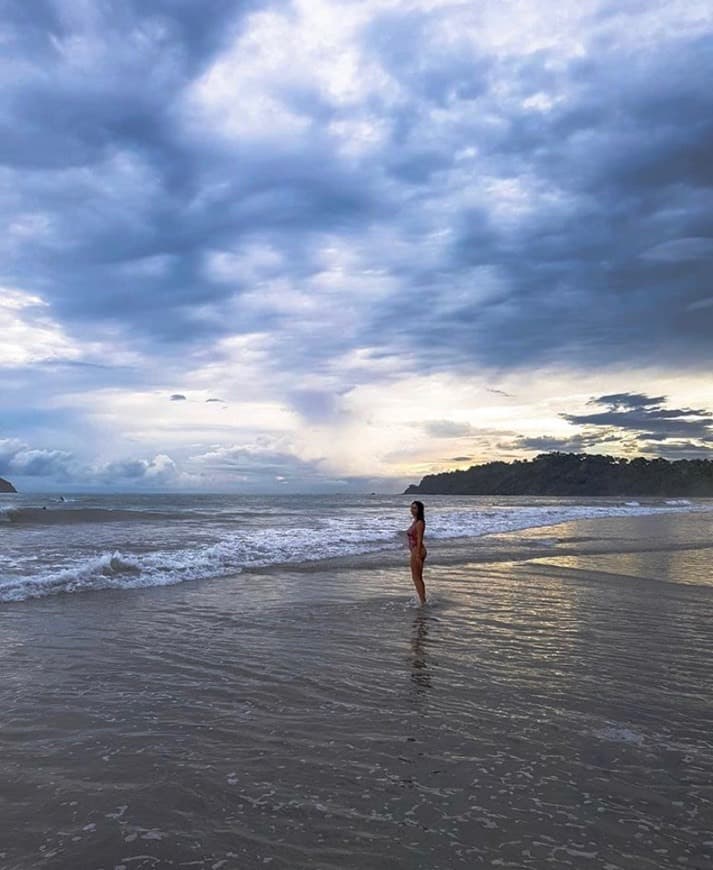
411,532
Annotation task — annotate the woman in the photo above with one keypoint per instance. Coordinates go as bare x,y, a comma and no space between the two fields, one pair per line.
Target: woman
417,549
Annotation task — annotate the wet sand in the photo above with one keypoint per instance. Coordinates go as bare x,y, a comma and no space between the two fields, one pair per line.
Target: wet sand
551,707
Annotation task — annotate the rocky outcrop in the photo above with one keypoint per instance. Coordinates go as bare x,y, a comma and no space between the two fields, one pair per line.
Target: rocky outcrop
6,486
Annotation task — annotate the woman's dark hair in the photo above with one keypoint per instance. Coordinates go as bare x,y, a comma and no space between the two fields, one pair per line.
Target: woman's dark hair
419,511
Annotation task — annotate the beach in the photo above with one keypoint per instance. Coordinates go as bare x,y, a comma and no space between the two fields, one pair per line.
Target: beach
549,707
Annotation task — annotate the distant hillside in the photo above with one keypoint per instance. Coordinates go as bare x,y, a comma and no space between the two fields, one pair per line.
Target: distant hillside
575,474
6,486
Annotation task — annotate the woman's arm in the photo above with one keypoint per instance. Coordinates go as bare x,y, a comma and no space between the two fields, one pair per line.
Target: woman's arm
420,527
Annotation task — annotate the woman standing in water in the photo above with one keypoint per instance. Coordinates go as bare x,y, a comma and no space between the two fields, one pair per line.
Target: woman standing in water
418,551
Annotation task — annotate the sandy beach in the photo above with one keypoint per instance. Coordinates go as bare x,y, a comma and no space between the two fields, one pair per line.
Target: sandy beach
551,707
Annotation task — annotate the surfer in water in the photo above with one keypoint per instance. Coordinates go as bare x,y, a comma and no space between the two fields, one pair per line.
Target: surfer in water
416,548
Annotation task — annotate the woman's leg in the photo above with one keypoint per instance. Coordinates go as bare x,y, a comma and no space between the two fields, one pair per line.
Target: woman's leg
417,577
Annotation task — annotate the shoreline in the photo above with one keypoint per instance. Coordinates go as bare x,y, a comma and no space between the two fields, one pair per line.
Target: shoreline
597,534
580,537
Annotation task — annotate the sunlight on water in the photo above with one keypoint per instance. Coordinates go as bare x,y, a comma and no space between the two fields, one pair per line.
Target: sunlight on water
687,567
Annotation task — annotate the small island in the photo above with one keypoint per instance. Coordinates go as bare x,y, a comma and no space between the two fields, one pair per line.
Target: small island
6,486
572,474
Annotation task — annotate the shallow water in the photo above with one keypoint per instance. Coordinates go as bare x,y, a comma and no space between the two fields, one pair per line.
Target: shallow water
533,715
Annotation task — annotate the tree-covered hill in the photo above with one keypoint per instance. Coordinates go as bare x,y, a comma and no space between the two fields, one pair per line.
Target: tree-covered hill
575,474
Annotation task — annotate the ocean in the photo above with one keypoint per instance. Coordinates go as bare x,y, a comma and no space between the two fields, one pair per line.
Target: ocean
90,542
228,682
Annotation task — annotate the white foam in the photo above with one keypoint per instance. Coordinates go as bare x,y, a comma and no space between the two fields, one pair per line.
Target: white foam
99,572
7,514
503,518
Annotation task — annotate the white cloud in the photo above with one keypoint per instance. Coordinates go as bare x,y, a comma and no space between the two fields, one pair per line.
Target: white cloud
312,46
29,333
159,470
19,458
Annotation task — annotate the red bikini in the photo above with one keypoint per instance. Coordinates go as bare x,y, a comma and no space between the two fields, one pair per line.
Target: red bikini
411,532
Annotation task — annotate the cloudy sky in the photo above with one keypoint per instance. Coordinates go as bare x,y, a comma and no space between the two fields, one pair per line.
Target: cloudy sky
333,246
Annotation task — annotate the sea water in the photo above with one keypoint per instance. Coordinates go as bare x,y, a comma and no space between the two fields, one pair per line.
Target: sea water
261,688
52,544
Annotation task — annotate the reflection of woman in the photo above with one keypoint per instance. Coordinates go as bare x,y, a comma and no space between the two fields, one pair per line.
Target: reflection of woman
417,549
419,666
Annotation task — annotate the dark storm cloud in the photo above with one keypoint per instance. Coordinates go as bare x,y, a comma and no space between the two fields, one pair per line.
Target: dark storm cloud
133,206
647,418
620,167
632,423
603,256
679,450
178,397
597,442
547,443
198,30
629,400
58,114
